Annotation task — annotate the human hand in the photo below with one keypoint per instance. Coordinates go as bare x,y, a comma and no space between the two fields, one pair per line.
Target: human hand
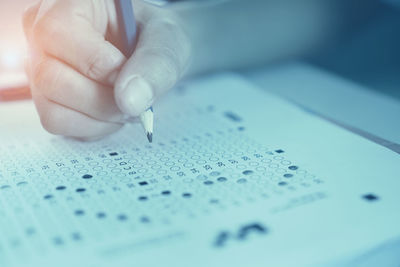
82,85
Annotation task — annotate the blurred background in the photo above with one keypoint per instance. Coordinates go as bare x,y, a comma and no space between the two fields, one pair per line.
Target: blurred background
12,50
366,49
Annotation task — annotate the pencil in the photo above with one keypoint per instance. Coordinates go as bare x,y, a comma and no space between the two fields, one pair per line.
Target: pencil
127,26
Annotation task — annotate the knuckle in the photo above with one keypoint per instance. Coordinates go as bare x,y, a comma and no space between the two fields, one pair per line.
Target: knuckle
177,44
167,24
169,61
102,61
162,62
50,121
45,29
40,74
94,65
166,58
48,79
182,45
42,77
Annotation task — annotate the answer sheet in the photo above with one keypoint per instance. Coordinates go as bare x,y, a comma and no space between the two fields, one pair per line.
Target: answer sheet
234,177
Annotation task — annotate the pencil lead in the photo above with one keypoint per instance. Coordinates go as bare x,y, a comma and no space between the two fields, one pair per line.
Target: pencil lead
150,137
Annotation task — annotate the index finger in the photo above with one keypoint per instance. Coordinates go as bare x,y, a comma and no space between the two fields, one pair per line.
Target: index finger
66,32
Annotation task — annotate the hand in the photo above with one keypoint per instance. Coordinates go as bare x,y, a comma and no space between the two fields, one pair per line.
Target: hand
82,85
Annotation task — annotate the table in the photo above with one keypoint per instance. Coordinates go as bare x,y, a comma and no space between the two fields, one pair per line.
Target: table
357,108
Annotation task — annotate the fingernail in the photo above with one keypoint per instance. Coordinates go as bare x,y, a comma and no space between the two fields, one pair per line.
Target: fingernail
136,97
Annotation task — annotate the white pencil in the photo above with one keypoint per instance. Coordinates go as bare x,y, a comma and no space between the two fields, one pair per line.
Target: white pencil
128,29
147,119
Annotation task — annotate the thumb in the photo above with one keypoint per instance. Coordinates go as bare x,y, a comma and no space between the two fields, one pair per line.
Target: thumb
157,64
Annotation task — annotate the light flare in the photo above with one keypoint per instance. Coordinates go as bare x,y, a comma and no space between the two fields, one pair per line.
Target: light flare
11,59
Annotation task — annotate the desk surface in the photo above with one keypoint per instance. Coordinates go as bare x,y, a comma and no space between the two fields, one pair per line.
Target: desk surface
357,108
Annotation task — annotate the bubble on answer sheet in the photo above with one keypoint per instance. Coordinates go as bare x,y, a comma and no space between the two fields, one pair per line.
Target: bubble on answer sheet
370,197
82,193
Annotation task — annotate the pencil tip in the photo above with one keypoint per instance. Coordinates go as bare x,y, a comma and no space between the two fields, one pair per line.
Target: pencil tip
150,137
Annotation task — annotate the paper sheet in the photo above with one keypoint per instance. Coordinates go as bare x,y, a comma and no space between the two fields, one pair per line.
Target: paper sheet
235,177
336,98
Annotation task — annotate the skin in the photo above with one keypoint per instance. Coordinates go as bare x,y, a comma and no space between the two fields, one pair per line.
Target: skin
84,87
